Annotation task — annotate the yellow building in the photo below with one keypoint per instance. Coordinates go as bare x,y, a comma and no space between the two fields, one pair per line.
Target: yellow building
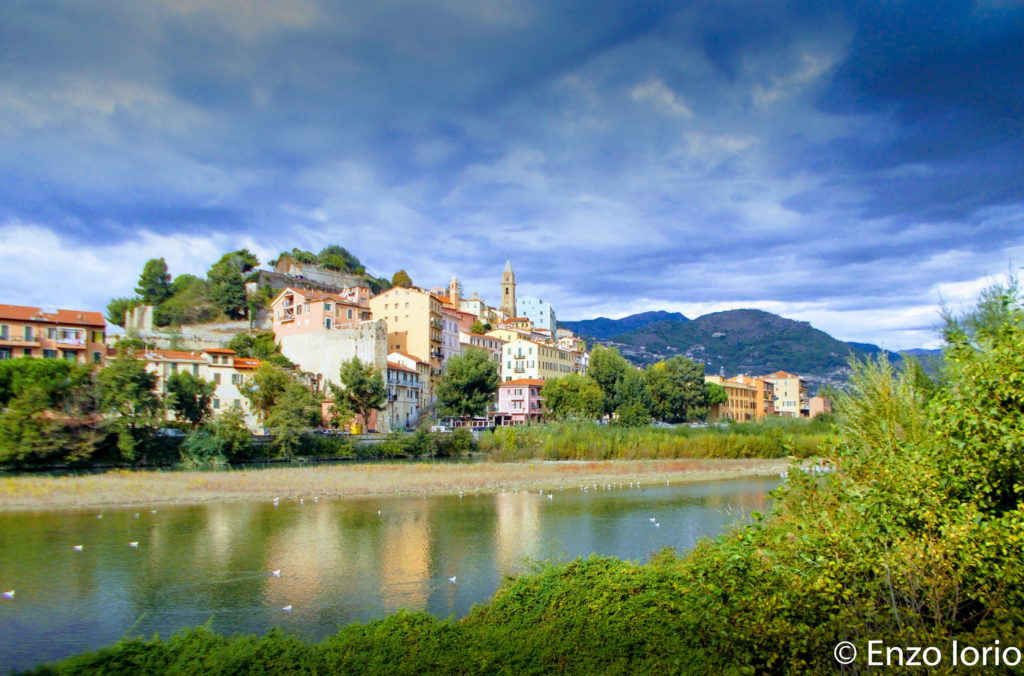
765,394
790,393
523,358
414,324
741,405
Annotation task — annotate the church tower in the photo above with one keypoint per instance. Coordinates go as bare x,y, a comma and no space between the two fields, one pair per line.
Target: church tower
454,292
508,291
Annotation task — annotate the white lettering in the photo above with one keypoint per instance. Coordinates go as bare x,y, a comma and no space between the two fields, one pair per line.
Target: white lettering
1016,658
973,660
934,651
874,652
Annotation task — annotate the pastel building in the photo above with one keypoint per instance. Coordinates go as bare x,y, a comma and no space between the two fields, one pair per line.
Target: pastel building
227,371
302,310
450,345
74,335
414,326
405,395
523,358
765,394
790,393
537,311
490,344
519,402
817,405
741,405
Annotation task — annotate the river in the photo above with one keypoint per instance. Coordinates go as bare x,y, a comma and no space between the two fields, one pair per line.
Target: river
339,560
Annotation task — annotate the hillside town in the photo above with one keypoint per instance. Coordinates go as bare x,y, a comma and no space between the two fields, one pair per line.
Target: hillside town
322,318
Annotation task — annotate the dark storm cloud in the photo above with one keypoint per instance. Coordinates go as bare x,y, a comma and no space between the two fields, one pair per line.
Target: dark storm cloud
622,155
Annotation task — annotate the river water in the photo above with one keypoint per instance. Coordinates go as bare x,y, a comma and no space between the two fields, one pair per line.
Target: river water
340,560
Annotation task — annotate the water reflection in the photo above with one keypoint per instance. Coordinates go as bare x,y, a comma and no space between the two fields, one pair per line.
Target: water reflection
340,560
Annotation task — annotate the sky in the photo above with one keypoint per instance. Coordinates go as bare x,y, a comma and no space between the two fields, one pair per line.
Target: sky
851,164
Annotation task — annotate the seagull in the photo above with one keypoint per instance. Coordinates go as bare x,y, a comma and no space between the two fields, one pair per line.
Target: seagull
78,548
136,515
152,511
99,516
316,499
378,512
8,594
133,544
452,579
550,497
653,519
276,573
657,525
302,501
287,608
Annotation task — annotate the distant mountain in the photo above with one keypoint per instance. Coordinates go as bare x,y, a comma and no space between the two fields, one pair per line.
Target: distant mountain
602,327
738,341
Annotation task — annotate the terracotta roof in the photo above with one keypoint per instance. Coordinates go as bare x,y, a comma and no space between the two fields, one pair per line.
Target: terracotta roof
218,350
782,374
27,313
409,356
169,355
395,366
244,363
522,381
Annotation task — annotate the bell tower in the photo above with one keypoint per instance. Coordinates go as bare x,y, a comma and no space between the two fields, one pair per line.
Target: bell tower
454,292
508,291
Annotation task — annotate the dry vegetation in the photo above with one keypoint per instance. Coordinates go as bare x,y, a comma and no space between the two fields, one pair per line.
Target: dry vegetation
124,488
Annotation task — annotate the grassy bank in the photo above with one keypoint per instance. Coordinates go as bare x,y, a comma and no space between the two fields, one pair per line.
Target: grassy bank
135,488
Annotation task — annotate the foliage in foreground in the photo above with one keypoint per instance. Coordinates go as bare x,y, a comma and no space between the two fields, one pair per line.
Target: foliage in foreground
916,540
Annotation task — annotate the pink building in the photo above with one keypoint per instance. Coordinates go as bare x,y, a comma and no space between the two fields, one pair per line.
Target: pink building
818,405
302,310
519,402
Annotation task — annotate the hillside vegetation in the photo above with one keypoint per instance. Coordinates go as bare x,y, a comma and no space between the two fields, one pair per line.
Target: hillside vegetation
917,539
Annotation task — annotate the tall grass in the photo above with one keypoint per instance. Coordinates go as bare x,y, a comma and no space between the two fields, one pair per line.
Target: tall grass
588,441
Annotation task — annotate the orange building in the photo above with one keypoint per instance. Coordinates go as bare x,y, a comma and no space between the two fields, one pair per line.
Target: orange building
53,334
765,394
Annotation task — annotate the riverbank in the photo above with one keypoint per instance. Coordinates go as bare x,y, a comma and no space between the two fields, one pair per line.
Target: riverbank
123,488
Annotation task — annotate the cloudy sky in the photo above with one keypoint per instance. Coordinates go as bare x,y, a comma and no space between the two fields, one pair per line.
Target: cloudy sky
853,164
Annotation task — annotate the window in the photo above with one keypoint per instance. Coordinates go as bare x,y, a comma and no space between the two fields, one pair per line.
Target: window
216,379
4,332
49,354
5,353
51,334
28,333
69,355
213,359
327,322
26,352
237,403
174,367
350,313
236,378
215,402
195,370
97,336
327,307
97,357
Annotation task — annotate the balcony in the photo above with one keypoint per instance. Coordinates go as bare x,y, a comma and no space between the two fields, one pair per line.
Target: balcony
15,341
71,344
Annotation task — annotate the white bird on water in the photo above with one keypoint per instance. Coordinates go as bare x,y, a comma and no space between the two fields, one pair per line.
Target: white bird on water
653,519
99,516
452,579
276,573
9,594
152,511
133,544
136,515
657,525
287,608
78,548
550,497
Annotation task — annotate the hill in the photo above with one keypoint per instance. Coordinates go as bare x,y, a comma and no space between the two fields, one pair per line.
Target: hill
738,341
602,327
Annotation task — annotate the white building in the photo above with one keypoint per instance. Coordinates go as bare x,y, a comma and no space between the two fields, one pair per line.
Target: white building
537,311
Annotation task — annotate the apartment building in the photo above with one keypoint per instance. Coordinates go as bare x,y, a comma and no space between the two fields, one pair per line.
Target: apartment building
541,314
790,393
528,359
297,311
227,371
765,394
414,326
519,402
74,335
742,403
405,394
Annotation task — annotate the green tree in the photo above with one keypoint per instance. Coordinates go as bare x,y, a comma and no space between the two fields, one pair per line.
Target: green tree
361,391
294,413
189,303
401,278
189,397
127,393
573,397
715,394
261,345
227,291
678,391
478,327
338,258
607,367
633,399
468,384
117,307
154,282
268,383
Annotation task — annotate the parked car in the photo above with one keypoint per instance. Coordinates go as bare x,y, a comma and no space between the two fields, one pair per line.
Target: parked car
439,428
